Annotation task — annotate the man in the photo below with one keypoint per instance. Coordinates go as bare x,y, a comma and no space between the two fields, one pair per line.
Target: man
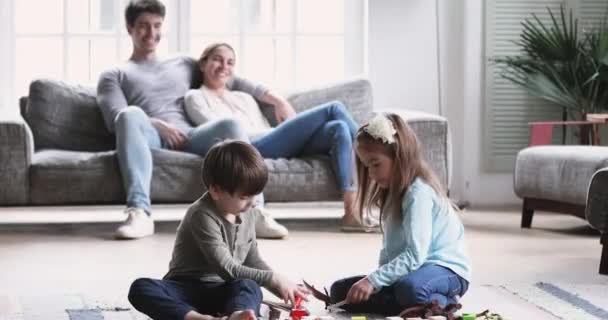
141,102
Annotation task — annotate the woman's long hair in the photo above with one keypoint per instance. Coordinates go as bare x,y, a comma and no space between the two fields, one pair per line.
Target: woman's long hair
408,164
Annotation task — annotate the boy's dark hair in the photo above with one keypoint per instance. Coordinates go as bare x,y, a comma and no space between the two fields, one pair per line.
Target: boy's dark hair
137,7
235,166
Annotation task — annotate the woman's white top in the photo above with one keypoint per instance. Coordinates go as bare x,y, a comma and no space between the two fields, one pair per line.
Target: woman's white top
203,105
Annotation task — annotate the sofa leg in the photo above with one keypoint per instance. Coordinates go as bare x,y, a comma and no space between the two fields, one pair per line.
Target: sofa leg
604,258
526,215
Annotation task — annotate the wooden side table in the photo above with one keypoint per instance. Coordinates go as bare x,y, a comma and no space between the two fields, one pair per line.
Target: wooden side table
541,133
597,119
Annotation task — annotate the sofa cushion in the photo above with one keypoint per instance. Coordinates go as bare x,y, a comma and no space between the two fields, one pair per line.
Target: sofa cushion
70,177
64,116
301,179
558,173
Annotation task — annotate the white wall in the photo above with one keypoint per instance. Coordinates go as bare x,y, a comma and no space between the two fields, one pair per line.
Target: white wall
411,41
6,96
481,188
403,54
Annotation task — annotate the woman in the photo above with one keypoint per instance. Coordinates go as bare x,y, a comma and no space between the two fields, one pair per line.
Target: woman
325,129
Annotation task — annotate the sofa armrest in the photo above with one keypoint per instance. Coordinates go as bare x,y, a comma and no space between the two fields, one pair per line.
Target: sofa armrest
16,150
596,211
434,136
356,94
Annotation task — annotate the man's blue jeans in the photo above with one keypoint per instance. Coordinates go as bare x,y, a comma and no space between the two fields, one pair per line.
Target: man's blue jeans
325,129
136,136
173,299
430,282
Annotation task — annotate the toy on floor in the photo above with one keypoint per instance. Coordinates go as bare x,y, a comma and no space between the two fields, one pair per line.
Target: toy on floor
431,309
318,294
485,315
296,312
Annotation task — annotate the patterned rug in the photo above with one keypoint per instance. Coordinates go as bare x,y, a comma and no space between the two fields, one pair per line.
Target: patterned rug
556,300
566,301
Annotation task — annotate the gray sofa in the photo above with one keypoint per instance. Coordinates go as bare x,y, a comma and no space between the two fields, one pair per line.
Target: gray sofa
61,153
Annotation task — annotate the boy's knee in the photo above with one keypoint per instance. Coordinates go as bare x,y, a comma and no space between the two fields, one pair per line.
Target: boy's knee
137,290
249,285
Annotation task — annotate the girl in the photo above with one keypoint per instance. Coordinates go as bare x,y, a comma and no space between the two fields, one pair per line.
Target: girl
423,252
325,129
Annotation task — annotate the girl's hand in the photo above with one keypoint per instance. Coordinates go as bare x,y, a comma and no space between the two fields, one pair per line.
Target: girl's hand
359,292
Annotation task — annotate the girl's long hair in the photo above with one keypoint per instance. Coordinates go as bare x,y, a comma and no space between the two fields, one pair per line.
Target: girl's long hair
408,164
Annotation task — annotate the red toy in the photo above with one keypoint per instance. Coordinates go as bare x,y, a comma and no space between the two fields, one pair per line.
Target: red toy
298,312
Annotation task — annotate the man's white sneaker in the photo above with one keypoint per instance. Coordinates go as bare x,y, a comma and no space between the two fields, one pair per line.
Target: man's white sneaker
138,225
267,228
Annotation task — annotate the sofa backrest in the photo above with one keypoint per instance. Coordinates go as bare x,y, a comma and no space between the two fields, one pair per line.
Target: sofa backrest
356,94
64,116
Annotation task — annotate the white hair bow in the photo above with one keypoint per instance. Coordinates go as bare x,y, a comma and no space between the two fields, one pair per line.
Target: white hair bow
381,128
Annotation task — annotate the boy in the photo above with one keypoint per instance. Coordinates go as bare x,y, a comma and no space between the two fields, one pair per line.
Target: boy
216,267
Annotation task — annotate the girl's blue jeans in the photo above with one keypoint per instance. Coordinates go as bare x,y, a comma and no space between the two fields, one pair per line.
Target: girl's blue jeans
430,282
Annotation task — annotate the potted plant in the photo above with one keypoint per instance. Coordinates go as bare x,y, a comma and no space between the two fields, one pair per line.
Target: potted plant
561,65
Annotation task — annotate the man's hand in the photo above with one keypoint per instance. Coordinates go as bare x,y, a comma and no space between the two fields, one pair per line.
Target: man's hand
360,291
283,110
287,290
174,138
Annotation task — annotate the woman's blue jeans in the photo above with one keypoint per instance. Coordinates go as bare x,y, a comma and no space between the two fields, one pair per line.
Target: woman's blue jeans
136,136
430,282
325,129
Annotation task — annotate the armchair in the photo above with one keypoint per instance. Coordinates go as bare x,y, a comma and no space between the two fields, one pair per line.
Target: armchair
564,179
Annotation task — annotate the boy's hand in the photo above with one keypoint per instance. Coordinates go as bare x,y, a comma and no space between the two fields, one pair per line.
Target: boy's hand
359,292
288,290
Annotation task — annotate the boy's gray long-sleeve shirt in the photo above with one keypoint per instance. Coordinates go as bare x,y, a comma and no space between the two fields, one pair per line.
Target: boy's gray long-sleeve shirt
158,88
209,248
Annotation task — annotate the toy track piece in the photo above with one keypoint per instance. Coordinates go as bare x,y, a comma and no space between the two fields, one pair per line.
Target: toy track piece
318,294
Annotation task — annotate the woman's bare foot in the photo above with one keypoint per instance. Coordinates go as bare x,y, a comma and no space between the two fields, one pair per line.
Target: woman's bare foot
352,221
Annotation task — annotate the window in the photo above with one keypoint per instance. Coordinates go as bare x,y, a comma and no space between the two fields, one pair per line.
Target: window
72,40
285,44
508,108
